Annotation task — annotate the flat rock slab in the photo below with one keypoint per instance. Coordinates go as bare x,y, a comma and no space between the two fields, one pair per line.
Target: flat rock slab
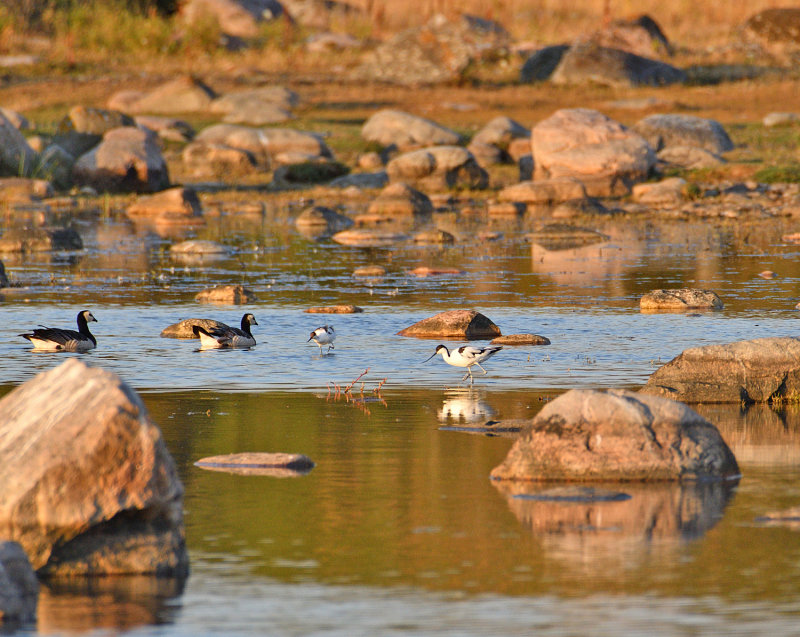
455,324
199,247
521,339
280,465
370,271
758,370
423,271
586,435
184,329
335,309
226,295
505,428
367,238
676,300
562,236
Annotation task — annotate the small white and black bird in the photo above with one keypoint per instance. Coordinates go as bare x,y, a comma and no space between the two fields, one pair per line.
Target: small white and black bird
323,336
227,337
465,356
54,339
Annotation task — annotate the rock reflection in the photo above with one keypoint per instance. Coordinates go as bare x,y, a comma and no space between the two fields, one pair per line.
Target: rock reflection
90,604
616,532
767,435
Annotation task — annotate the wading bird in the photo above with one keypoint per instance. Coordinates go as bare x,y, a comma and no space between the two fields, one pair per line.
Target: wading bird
54,339
227,337
465,356
323,336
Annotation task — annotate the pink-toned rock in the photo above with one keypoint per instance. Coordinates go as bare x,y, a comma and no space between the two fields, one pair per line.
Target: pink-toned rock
184,94
521,339
226,295
405,131
586,145
178,204
424,270
680,299
455,324
89,487
545,192
438,167
127,160
588,435
277,465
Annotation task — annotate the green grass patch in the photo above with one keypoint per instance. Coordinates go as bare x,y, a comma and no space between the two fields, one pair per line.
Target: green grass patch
788,173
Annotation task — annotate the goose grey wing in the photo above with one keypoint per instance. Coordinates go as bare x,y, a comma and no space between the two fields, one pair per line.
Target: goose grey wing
57,335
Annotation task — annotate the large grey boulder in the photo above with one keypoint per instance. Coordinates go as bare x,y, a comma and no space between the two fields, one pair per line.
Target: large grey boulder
127,160
17,158
758,370
542,63
89,487
588,435
19,588
667,130
389,127
589,63
582,143
439,51
438,167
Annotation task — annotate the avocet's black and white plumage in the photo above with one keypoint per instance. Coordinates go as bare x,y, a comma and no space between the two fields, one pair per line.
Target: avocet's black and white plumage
54,339
227,337
465,356
323,336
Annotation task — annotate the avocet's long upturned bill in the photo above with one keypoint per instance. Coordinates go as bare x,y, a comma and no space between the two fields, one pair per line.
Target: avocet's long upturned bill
227,337
323,336
54,339
465,356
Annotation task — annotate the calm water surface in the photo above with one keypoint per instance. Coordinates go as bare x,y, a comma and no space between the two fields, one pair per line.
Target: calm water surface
398,529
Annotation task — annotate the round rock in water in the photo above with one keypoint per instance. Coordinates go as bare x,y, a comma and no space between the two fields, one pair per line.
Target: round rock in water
587,435
459,324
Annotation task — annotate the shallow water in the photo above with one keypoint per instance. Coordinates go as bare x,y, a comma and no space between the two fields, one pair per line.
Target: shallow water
398,528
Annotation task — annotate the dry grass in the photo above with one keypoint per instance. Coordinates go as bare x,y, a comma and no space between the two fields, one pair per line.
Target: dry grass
687,22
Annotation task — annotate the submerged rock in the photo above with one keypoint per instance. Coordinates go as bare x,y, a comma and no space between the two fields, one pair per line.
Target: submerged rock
587,435
361,238
199,247
758,370
401,201
521,339
454,324
319,221
680,299
89,487
176,204
185,328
